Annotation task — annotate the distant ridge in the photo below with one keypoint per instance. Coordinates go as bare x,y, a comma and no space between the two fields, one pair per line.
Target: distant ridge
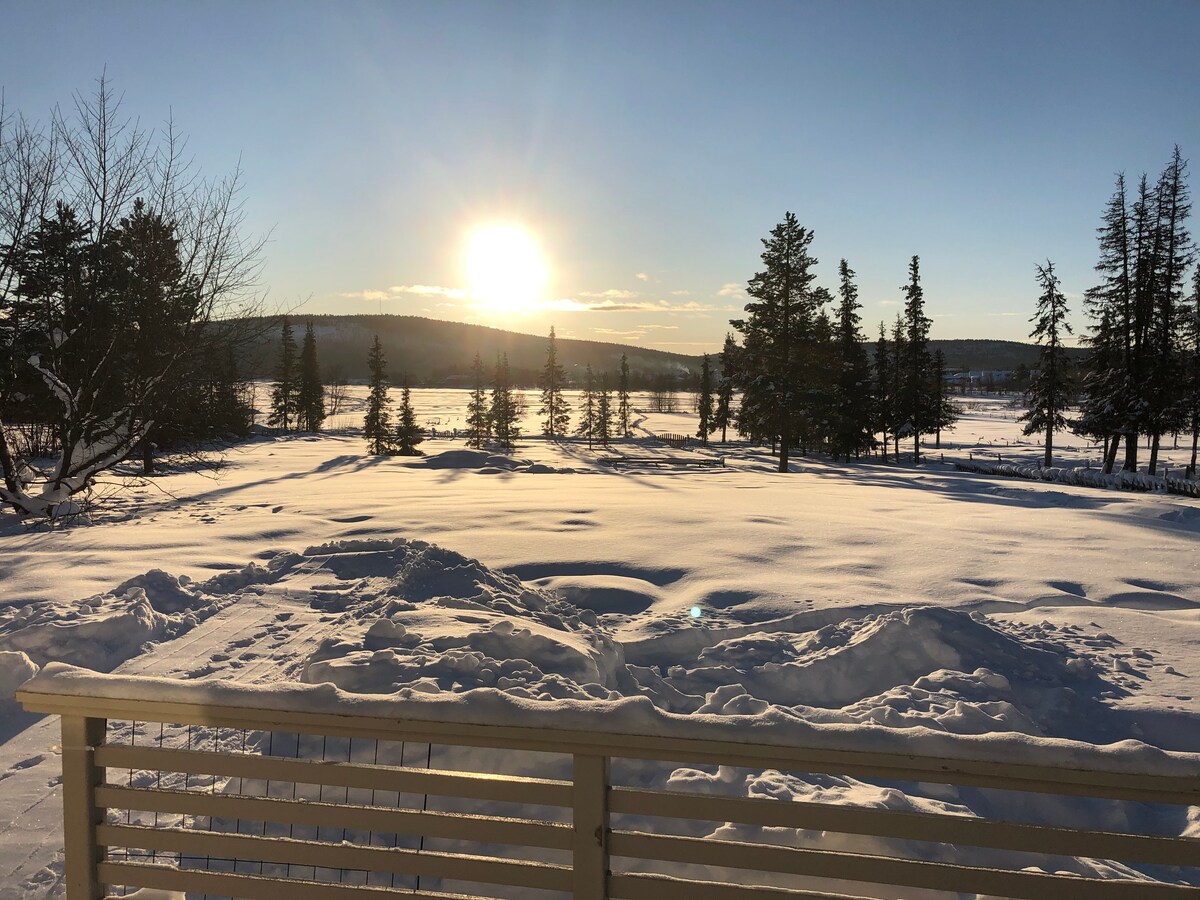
435,352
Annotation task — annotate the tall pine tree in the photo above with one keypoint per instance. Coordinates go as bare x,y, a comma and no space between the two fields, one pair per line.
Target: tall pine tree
853,414
408,433
1049,395
916,399
377,426
310,392
604,411
623,411
587,407
503,412
556,413
780,322
479,422
284,394
704,404
723,414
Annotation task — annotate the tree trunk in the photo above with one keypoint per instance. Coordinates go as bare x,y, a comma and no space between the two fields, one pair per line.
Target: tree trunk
785,439
6,463
1131,453
1153,465
1110,455
1191,471
1049,461
147,457
916,446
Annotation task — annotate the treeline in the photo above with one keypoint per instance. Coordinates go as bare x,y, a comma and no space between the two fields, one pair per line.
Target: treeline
805,377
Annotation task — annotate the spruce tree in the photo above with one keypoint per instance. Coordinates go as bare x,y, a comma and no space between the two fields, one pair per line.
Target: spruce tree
623,419
604,411
1193,369
884,401
377,425
310,392
1049,395
556,413
503,412
723,414
705,402
284,394
853,414
1107,385
917,404
945,409
587,407
778,328
408,434
479,422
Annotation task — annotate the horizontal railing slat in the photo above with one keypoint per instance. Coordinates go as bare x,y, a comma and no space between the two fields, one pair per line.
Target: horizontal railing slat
249,887
383,820
644,886
948,829
891,766
512,789
856,867
435,864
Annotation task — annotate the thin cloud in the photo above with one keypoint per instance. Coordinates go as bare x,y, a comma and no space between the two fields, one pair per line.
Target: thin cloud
889,302
584,304
660,327
428,290
610,294
400,290
616,332
730,289
642,276
681,293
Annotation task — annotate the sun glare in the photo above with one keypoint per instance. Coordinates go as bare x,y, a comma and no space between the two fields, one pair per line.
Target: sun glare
505,268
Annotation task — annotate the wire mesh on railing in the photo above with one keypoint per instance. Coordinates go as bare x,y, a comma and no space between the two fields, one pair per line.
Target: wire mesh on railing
138,797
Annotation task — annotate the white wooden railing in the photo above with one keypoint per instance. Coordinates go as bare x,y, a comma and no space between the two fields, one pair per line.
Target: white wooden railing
147,829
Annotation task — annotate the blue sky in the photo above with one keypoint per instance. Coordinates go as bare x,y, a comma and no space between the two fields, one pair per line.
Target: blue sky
647,147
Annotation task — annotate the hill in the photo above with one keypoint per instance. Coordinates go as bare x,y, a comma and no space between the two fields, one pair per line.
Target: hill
434,352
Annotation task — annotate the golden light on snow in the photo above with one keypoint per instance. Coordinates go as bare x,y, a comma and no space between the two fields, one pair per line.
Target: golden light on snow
506,271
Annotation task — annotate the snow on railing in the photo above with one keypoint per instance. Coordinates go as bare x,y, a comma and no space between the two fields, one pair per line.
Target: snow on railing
1083,477
305,791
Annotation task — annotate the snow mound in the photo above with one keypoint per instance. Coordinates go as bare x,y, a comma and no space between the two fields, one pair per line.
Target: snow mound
15,669
432,620
487,463
927,666
102,631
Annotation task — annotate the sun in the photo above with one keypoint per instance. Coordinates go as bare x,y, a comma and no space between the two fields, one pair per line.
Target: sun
505,268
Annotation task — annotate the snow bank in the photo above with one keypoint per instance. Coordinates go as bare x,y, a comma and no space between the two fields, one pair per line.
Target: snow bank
488,463
102,631
1125,481
15,669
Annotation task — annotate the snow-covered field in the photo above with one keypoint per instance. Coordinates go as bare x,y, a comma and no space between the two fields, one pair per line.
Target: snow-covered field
895,595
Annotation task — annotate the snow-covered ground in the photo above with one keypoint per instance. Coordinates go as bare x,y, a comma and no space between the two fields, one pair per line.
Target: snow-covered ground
843,594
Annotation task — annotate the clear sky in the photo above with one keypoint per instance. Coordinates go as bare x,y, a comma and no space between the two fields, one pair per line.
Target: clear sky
645,148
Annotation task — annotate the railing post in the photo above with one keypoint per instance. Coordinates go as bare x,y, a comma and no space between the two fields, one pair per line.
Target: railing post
80,736
590,812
